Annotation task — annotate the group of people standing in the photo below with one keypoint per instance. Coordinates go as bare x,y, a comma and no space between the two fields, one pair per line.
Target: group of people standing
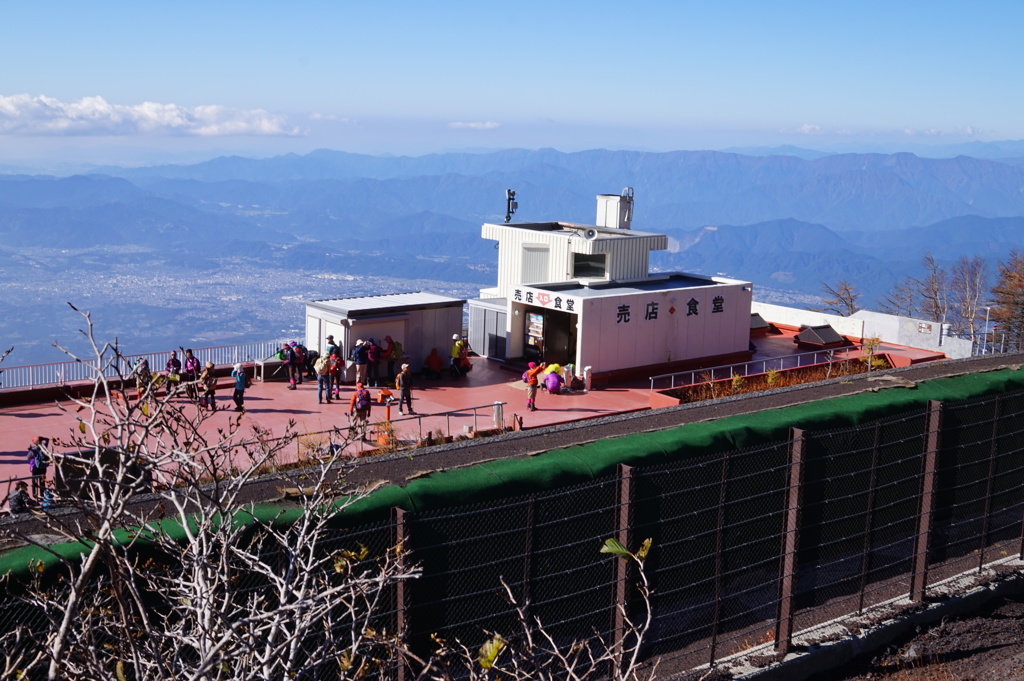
367,357
198,379
199,382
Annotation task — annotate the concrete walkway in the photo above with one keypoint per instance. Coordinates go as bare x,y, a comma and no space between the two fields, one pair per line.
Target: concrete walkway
448,406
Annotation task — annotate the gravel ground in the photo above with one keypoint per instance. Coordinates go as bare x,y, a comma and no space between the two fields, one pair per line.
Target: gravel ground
988,645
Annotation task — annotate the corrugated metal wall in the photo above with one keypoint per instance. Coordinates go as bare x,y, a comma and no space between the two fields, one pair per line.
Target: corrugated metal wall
487,331
628,257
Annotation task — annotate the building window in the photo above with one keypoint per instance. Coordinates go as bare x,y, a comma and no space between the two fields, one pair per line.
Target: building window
589,266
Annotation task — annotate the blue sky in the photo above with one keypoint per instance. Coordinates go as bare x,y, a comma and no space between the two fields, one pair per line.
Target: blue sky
142,82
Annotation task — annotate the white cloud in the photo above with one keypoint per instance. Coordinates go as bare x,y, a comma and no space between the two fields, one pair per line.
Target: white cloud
808,129
481,125
327,117
28,115
966,131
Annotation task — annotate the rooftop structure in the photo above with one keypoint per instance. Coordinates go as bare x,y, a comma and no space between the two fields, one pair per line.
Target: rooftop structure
583,295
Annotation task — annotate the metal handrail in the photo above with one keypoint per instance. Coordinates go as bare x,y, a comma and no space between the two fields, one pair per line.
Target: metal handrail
33,376
755,367
497,419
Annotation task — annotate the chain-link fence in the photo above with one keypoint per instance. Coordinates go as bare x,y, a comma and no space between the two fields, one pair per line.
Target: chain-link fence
749,547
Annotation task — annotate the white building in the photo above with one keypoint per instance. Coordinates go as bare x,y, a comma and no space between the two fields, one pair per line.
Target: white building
583,295
420,321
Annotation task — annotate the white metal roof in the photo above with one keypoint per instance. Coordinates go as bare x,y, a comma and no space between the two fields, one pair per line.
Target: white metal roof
605,289
384,303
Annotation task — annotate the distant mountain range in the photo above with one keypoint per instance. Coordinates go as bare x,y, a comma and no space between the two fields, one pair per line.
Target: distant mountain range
780,220
677,190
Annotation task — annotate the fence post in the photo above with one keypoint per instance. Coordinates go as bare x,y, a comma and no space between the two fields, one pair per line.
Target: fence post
919,577
990,482
400,538
716,618
624,535
526,597
869,519
790,543
499,416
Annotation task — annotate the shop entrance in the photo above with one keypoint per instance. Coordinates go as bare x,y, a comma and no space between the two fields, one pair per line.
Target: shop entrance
551,336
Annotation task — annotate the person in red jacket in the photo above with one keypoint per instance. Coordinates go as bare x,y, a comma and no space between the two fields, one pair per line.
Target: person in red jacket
531,384
432,365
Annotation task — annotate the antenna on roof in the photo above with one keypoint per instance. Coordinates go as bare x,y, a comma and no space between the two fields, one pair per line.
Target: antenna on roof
627,194
510,204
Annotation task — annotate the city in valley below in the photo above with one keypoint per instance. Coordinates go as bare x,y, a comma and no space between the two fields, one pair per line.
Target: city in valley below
149,308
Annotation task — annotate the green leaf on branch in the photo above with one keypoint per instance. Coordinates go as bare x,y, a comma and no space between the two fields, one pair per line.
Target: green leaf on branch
613,547
489,651
645,548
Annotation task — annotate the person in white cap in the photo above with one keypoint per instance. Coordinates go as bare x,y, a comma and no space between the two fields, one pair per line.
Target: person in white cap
459,352
404,385
362,360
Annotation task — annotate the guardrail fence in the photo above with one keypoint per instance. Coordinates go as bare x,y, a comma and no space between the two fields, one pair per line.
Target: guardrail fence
765,545
62,373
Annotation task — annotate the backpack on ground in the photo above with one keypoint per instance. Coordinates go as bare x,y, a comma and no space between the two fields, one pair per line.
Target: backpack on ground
363,400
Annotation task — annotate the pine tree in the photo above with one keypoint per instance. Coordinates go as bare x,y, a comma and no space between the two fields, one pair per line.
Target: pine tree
1008,300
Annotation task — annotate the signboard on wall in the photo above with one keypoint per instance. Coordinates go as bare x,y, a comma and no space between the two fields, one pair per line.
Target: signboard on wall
545,299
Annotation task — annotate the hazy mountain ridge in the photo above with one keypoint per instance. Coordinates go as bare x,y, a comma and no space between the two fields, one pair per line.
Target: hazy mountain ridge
779,221
683,189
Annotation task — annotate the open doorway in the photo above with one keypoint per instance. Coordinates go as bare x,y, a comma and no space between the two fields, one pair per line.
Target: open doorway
559,337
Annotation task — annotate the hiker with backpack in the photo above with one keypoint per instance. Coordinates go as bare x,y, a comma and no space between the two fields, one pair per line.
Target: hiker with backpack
531,380
19,501
358,356
311,357
241,383
208,384
460,357
173,371
324,378
336,367
332,348
359,411
143,376
290,360
300,361
404,385
38,462
190,375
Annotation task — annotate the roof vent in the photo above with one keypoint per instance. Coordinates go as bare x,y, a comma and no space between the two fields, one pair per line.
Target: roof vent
615,211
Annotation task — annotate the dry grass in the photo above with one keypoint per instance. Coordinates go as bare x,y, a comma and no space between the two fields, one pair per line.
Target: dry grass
707,389
750,643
